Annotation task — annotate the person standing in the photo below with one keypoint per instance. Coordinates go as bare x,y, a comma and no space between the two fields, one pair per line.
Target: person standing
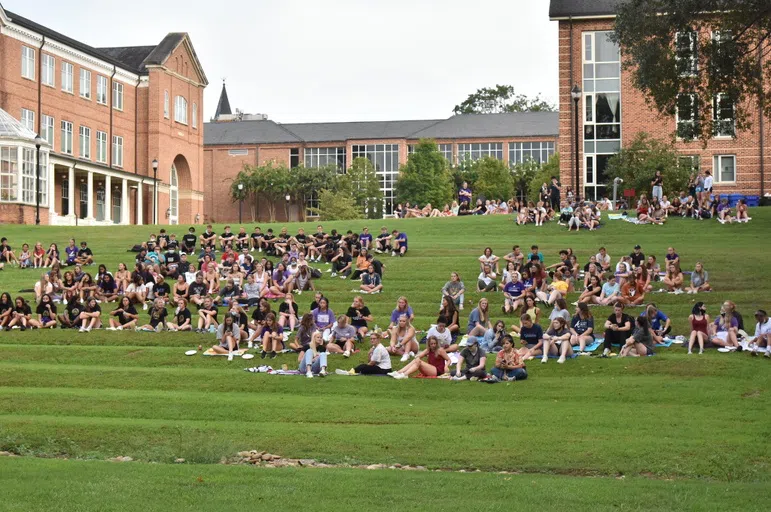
554,194
464,194
658,186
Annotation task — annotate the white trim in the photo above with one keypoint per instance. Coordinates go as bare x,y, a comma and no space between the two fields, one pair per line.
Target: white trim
176,75
717,170
568,18
4,19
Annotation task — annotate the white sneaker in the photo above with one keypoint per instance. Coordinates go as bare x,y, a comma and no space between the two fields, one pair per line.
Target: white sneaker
392,374
343,277
333,274
393,253
144,307
545,359
119,328
405,358
329,270
82,329
400,376
249,345
561,359
230,356
347,353
88,329
606,352
323,373
309,373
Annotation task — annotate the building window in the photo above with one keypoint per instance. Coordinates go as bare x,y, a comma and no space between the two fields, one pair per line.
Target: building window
294,158
538,152
173,196
28,119
85,84
601,109
117,151
66,138
195,115
47,127
685,53
180,110
725,169
723,116
238,152
322,157
101,147
117,95
85,142
101,89
692,163
67,71
48,70
28,176
28,62
473,152
723,56
65,196
166,104
385,159
444,149
9,173
687,116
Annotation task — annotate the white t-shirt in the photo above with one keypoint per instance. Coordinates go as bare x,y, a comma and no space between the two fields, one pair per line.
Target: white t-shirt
761,329
190,277
485,279
603,260
445,338
381,357
708,181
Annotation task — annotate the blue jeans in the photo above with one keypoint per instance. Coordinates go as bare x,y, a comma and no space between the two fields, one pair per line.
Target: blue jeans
488,341
317,365
518,373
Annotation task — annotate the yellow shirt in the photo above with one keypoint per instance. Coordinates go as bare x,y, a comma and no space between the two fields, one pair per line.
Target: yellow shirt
561,286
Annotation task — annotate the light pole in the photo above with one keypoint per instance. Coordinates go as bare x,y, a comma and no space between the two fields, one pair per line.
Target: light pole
155,190
288,198
575,93
240,200
38,143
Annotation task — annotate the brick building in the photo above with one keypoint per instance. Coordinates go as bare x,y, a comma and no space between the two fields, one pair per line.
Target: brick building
105,116
231,141
612,112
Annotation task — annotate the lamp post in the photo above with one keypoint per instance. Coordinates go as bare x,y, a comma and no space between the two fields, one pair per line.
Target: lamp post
240,200
575,93
38,143
155,190
288,198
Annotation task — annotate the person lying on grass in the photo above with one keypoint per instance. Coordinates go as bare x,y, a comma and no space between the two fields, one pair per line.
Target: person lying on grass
640,343
471,362
90,317
158,315
509,365
437,362
314,358
228,335
403,342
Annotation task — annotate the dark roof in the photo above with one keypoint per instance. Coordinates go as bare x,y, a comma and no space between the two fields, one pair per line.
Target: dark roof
130,56
161,52
223,106
582,8
469,126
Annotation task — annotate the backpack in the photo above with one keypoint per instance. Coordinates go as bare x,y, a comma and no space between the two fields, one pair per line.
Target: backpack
316,273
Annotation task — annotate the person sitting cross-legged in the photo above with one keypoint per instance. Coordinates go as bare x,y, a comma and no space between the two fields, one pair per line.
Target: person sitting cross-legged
472,360
508,363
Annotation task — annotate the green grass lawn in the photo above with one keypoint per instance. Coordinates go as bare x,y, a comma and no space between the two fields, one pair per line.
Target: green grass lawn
686,432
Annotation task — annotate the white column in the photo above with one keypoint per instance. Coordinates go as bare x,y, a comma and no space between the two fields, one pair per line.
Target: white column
51,175
108,198
140,220
124,204
90,204
71,191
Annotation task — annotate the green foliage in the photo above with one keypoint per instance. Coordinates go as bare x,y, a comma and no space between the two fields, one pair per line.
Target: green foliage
307,181
336,205
543,175
658,52
523,174
501,98
269,182
495,179
464,171
425,178
365,187
638,162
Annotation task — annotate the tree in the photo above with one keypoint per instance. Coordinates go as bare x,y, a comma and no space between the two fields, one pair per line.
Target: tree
335,205
308,181
543,175
501,98
523,174
270,182
425,178
495,180
365,187
638,162
711,66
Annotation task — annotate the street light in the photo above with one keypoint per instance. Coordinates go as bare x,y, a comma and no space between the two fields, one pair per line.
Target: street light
240,200
38,143
288,198
575,93
155,190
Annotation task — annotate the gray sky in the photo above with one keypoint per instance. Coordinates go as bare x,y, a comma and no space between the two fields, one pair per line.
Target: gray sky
333,60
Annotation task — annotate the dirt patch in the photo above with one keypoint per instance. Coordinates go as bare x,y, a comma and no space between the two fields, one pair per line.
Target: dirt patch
751,394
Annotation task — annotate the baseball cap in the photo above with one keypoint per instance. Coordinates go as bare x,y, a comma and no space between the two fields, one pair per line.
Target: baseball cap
637,246
471,340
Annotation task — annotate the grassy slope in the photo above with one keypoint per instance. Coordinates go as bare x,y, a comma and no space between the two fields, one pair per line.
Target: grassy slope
104,394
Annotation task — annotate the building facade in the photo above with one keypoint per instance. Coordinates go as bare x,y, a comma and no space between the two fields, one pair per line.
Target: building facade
106,116
611,112
233,143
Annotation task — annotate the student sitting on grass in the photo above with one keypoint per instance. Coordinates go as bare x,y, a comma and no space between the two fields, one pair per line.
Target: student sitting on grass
71,316
659,324
610,292
479,319
436,364
582,328
125,316
207,316
592,292
38,256
371,281
509,365
137,291
272,337
398,243
378,360
674,279
314,358
486,280
21,315
403,342
43,287
25,258
557,341
617,326
342,337
90,317
228,335
454,289
762,336
489,259
158,315
471,361
640,343
52,256
450,313
531,337
46,314
723,331
6,309
359,315
699,280
699,321
302,339
442,334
